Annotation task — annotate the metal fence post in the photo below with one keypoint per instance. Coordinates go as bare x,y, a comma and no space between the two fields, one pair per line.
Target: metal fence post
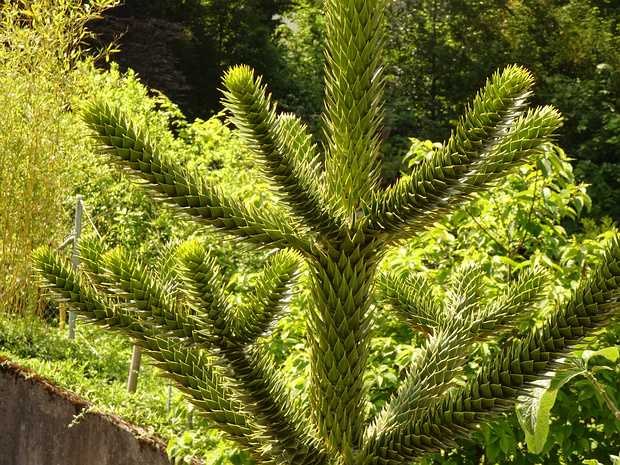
76,258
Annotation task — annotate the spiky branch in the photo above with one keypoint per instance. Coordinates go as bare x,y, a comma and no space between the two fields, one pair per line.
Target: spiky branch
495,135
194,197
505,376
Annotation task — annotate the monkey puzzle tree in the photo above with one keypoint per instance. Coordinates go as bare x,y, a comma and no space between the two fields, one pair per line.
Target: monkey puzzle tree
337,223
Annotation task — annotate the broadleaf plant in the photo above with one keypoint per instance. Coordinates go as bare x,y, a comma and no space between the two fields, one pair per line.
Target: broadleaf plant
533,411
336,223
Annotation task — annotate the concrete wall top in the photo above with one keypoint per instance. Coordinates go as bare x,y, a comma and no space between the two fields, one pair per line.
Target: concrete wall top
38,426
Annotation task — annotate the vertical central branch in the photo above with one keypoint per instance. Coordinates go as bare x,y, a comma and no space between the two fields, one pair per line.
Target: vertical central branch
342,276
353,106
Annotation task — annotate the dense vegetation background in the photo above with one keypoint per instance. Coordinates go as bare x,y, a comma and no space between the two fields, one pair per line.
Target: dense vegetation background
439,54
166,74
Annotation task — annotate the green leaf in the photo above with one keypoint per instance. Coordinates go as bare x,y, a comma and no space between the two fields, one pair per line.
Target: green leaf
533,412
610,353
493,450
391,377
579,204
529,415
506,260
545,166
505,444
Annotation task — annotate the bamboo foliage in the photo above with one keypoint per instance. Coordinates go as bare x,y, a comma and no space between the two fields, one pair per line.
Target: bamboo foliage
337,223
40,43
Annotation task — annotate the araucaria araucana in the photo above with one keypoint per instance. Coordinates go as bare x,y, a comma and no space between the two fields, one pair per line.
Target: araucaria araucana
339,223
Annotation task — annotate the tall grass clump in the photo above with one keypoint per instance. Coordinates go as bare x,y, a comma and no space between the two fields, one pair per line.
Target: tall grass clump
40,46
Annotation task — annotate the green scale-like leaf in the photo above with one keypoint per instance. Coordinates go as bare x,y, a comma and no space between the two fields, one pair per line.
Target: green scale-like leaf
512,307
452,331
150,300
197,376
495,135
506,376
434,367
339,338
205,288
412,298
464,295
285,432
260,387
194,197
286,152
354,88
59,277
186,366
91,250
269,299
279,430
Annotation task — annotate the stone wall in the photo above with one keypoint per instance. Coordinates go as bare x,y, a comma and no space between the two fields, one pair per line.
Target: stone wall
43,424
